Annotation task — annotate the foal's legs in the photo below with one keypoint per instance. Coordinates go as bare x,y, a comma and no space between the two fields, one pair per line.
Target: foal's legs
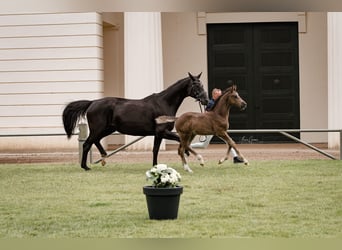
184,145
161,133
181,151
230,144
190,149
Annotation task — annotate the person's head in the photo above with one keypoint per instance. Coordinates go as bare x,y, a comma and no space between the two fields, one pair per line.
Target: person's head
216,93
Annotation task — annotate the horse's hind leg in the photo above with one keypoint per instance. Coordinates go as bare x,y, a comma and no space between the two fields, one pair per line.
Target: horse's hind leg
198,156
99,146
102,152
181,152
190,149
92,139
86,147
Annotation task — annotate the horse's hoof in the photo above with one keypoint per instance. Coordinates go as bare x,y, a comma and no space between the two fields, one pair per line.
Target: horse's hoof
103,162
86,168
246,163
200,158
187,168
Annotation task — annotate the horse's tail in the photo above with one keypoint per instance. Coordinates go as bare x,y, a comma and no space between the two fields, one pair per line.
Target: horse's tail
165,119
72,113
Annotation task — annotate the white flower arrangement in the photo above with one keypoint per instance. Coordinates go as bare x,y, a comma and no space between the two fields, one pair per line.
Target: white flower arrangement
162,176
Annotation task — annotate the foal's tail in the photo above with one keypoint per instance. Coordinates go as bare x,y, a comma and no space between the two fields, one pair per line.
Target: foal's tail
165,119
72,113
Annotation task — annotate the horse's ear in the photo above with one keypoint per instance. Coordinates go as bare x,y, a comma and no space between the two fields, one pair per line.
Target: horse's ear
234,87
199,75
191,76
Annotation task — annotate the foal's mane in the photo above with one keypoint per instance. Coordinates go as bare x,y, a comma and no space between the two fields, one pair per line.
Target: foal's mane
228,90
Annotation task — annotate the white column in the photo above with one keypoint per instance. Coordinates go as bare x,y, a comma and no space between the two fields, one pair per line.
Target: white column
334,77
143,61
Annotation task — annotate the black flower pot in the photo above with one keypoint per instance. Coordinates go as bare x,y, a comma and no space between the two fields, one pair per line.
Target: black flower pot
162,203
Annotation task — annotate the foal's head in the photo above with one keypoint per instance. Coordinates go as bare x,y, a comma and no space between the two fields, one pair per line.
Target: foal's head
196,89
233,98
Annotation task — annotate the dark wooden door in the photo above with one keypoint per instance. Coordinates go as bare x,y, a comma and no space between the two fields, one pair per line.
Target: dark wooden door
262,60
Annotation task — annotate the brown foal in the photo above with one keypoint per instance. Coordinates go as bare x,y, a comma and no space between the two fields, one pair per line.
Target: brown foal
214,122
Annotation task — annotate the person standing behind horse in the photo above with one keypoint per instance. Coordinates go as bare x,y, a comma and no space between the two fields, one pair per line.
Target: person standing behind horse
216,93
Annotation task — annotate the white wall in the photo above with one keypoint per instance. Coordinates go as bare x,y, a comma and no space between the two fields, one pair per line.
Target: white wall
313,73
143,62
183,51
113,55
46,61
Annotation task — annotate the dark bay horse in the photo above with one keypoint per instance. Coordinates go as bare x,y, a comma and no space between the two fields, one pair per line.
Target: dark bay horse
214,122
132,117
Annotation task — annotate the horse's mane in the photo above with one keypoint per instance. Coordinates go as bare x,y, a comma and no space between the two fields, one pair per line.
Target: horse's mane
174,85
227,90
167,90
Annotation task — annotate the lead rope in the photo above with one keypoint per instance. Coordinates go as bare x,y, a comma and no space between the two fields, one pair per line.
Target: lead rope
199,103
202,138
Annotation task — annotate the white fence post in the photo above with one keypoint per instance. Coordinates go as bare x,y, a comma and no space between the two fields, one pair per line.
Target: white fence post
340,144
82,136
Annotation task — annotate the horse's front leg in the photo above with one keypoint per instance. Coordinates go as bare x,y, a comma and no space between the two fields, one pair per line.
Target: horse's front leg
156,146
161,133
227,154
231,144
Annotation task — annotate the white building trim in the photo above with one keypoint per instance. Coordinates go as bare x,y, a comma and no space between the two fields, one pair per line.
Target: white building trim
250,17
143,61
334,76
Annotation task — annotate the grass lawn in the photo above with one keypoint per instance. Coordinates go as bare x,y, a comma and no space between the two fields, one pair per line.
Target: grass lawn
291,199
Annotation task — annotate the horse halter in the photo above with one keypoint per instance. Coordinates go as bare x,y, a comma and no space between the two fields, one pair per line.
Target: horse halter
198,93
195,90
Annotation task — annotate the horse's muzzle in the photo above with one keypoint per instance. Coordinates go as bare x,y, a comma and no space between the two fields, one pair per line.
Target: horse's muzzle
243,106
204,101
203,98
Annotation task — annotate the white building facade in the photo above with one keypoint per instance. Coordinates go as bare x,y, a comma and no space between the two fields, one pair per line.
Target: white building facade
48,60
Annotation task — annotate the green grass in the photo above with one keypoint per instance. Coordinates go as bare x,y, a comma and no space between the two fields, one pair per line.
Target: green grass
291,199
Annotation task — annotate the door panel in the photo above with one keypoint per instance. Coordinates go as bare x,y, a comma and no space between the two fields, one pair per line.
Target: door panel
262,59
